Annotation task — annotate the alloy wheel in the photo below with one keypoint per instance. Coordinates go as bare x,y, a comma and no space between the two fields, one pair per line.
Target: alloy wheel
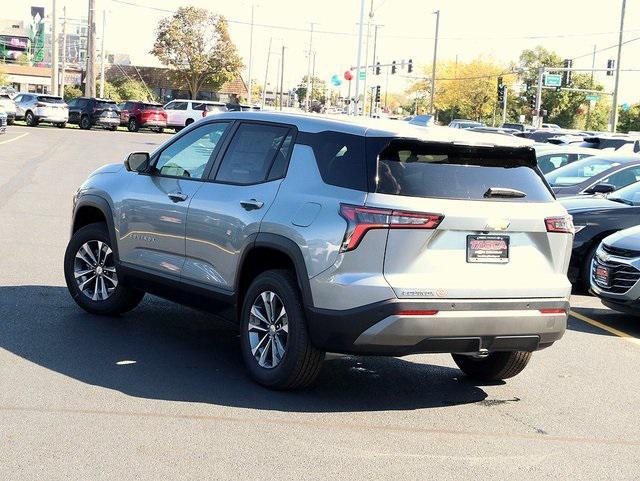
95,271
268,329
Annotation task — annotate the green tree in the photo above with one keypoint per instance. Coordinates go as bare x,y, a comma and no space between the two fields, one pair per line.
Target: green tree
318,89
72,92
134,90
111,92
197,45
629,120
3,79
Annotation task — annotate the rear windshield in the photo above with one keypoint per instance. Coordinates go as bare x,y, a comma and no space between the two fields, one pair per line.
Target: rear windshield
101,104
50,100
420,169
151,107
579,171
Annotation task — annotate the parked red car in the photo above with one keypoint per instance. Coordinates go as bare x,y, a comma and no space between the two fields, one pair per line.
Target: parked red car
139,115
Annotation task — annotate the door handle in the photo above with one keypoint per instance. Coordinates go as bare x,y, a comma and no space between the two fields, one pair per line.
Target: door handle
251,204
177,196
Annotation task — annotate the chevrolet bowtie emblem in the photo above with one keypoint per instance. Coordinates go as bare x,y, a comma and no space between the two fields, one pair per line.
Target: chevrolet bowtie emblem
497,224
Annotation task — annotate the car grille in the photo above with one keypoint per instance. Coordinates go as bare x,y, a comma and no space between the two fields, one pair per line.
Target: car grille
616,251
622,277
3,121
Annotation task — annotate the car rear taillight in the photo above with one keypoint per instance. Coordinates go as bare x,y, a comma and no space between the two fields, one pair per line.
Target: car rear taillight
360,220
40,104
429,312
560,224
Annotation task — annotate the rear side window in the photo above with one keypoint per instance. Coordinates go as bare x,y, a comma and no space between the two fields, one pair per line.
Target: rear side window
251,153
340,158
421,169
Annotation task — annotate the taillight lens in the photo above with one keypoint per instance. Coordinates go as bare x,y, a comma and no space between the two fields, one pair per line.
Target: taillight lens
429,312
360,220
553,311
40,104
560,224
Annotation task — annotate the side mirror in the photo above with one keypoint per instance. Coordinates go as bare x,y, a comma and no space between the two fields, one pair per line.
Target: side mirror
602,188
137,162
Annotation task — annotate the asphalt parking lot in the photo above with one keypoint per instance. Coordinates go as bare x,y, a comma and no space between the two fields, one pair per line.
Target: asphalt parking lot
161,392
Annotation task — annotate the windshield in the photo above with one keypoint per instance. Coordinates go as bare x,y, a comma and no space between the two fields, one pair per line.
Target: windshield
579,171
627,195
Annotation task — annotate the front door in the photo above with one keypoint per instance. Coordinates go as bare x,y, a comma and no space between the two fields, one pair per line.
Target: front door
226,213
153,214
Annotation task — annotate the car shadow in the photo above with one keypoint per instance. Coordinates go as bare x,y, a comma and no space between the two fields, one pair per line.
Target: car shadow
165,351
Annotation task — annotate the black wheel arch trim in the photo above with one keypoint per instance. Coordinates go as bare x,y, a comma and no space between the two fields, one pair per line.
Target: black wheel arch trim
100,203
291,250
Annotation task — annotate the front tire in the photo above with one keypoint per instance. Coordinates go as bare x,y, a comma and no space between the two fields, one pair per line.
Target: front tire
85,122
61,125
274,339
495,367
132,125
30,119
92,276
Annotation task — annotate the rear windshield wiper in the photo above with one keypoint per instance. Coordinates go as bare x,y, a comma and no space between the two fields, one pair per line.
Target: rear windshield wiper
504,192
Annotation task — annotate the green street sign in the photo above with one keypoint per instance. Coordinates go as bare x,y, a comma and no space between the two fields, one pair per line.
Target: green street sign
593,97
362,74
553,80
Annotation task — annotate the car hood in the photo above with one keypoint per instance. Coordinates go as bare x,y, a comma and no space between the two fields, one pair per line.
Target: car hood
108,169
625,239
583,203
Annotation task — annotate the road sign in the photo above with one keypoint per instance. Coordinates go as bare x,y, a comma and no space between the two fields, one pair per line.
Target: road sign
593,97
553,80
362,74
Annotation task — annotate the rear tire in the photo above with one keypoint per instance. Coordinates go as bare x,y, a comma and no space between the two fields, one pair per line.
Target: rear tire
296,362
85,123
495,367
30,119
61,125
188,122
113,128
132,125
10,122
115,299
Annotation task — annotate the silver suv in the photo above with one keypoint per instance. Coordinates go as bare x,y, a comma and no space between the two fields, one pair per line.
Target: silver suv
321,235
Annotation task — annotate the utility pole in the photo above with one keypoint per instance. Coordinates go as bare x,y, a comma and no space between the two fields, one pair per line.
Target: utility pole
539,98
614,116
373,63
366,61
90,76
504,104
266,73
251,57
307,99
102,53
54,50
433,68
281,75
359,59
64,51
313,74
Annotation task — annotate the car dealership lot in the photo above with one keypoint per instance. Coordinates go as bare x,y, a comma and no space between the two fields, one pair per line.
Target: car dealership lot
162,393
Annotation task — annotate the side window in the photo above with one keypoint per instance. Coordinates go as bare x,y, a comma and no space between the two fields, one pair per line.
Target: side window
18,98
82,103
623,178
180,106
169,106
550,162
280,163
189,155
251,152
72,103
197,106
340,158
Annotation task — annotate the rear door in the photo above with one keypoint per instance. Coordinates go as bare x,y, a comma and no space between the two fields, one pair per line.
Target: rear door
492,240
226,213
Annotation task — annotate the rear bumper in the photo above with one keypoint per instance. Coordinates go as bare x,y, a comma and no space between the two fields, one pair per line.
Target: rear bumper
154,123
458,326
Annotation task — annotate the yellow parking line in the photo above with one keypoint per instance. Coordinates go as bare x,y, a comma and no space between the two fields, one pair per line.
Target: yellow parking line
604,327
15,138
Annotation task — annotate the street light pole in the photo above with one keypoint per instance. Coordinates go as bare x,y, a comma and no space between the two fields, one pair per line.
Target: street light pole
104,28
90,80
614,116
54,50
266,73
373,63
366,61
359,59
250,94
433,68
64,51
307,99
281,76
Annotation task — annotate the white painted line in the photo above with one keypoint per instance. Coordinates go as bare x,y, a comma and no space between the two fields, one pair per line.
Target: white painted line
15,138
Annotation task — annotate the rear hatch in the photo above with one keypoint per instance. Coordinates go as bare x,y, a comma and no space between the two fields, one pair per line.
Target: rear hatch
51,106
153,113
107,111
493,228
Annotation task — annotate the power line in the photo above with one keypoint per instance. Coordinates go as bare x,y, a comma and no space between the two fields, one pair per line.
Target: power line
406,37
606,48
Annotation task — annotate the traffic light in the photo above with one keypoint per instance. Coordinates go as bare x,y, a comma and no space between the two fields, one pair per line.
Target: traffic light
393,67
532,101
501,93
566,75
611,65
410,66
378,94
377,68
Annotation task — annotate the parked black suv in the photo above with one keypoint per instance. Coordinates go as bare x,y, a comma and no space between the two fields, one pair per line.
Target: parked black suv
87,112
